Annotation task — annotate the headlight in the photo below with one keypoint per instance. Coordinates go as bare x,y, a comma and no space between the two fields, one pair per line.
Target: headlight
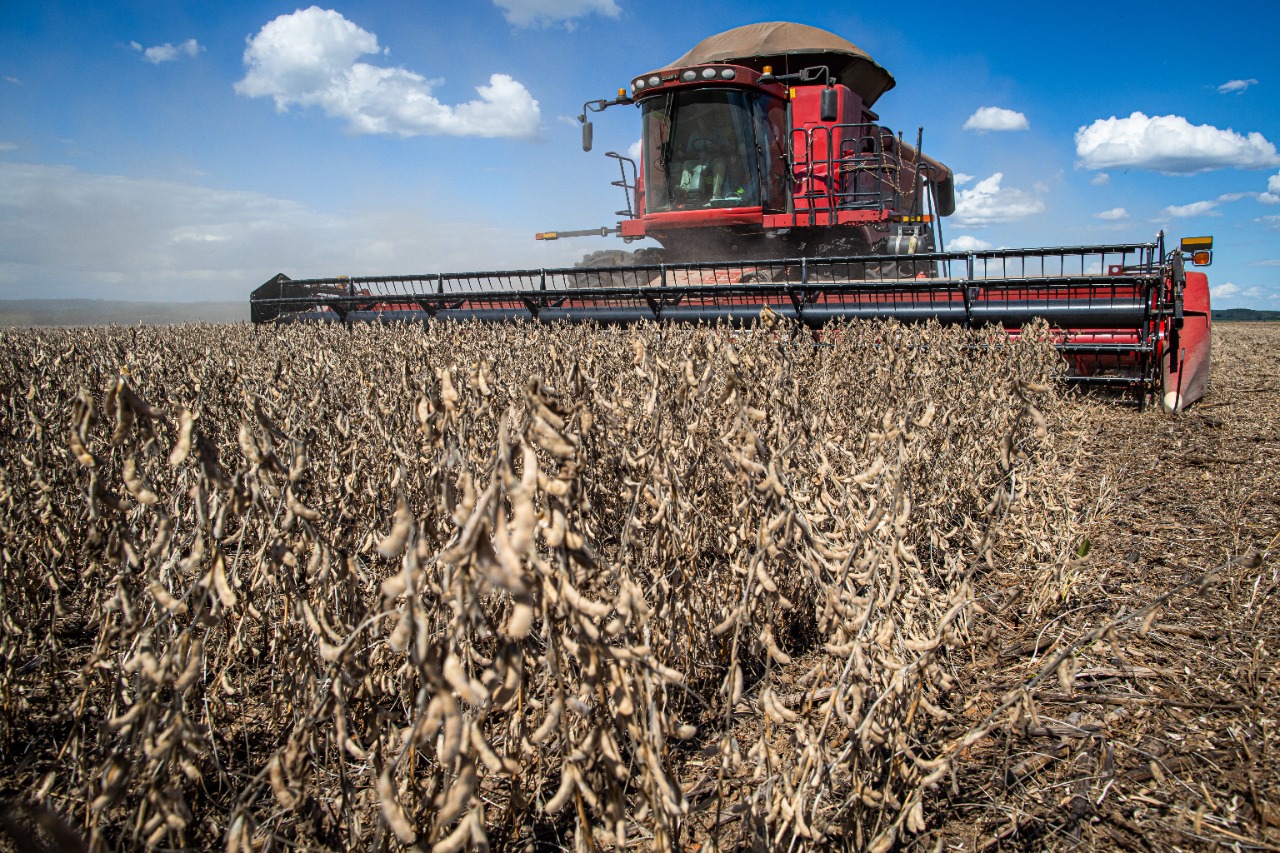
637,84
728,73
654,80
689,76
708,73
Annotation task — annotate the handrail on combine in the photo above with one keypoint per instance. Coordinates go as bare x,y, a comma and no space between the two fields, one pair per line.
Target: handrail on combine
833,171
1074,265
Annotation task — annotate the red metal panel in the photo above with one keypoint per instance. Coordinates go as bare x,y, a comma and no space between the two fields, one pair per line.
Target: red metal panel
702,217
823,217
856,217
814,171
1195,297
1185,371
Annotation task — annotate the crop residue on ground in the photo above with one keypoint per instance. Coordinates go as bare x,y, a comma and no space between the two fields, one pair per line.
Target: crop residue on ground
492,586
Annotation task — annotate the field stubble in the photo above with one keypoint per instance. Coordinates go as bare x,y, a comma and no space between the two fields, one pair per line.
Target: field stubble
579,588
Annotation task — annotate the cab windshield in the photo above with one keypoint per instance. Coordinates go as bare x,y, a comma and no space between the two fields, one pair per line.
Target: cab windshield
701,149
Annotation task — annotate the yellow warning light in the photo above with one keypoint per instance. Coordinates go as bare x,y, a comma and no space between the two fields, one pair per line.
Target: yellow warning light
768,69
622,93
1200,249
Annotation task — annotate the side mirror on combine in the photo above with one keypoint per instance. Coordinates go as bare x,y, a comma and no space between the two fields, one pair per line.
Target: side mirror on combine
829,107
1199,249
598,107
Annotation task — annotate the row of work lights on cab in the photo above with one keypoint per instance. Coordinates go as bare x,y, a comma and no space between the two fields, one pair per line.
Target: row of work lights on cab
689,75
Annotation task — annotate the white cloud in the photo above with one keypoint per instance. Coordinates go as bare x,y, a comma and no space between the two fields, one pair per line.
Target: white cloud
1112,214
527,13
309,58
1272,195
961,178
168,52
8,146
996,118
635,149
1204,208
186,242
988,203
1271,223
965,243
14,80
1228,290
1101,179
1236,86
1195,208
1170,144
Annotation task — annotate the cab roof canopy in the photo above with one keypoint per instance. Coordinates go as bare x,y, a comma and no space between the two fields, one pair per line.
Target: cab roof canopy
790,48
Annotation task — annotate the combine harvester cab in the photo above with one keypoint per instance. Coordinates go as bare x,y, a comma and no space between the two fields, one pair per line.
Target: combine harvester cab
761,142
771,185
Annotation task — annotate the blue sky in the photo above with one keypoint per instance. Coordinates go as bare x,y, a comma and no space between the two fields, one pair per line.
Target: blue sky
161,150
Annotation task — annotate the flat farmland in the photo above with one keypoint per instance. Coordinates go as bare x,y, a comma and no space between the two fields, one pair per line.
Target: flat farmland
519,588
1167,738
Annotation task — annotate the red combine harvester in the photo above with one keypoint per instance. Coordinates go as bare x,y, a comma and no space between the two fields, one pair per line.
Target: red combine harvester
769,183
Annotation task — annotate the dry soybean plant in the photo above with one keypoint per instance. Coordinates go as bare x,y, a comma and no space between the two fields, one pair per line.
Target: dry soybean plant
468,586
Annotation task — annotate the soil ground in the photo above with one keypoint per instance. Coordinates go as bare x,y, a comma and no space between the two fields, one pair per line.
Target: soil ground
1165,735
1159,729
